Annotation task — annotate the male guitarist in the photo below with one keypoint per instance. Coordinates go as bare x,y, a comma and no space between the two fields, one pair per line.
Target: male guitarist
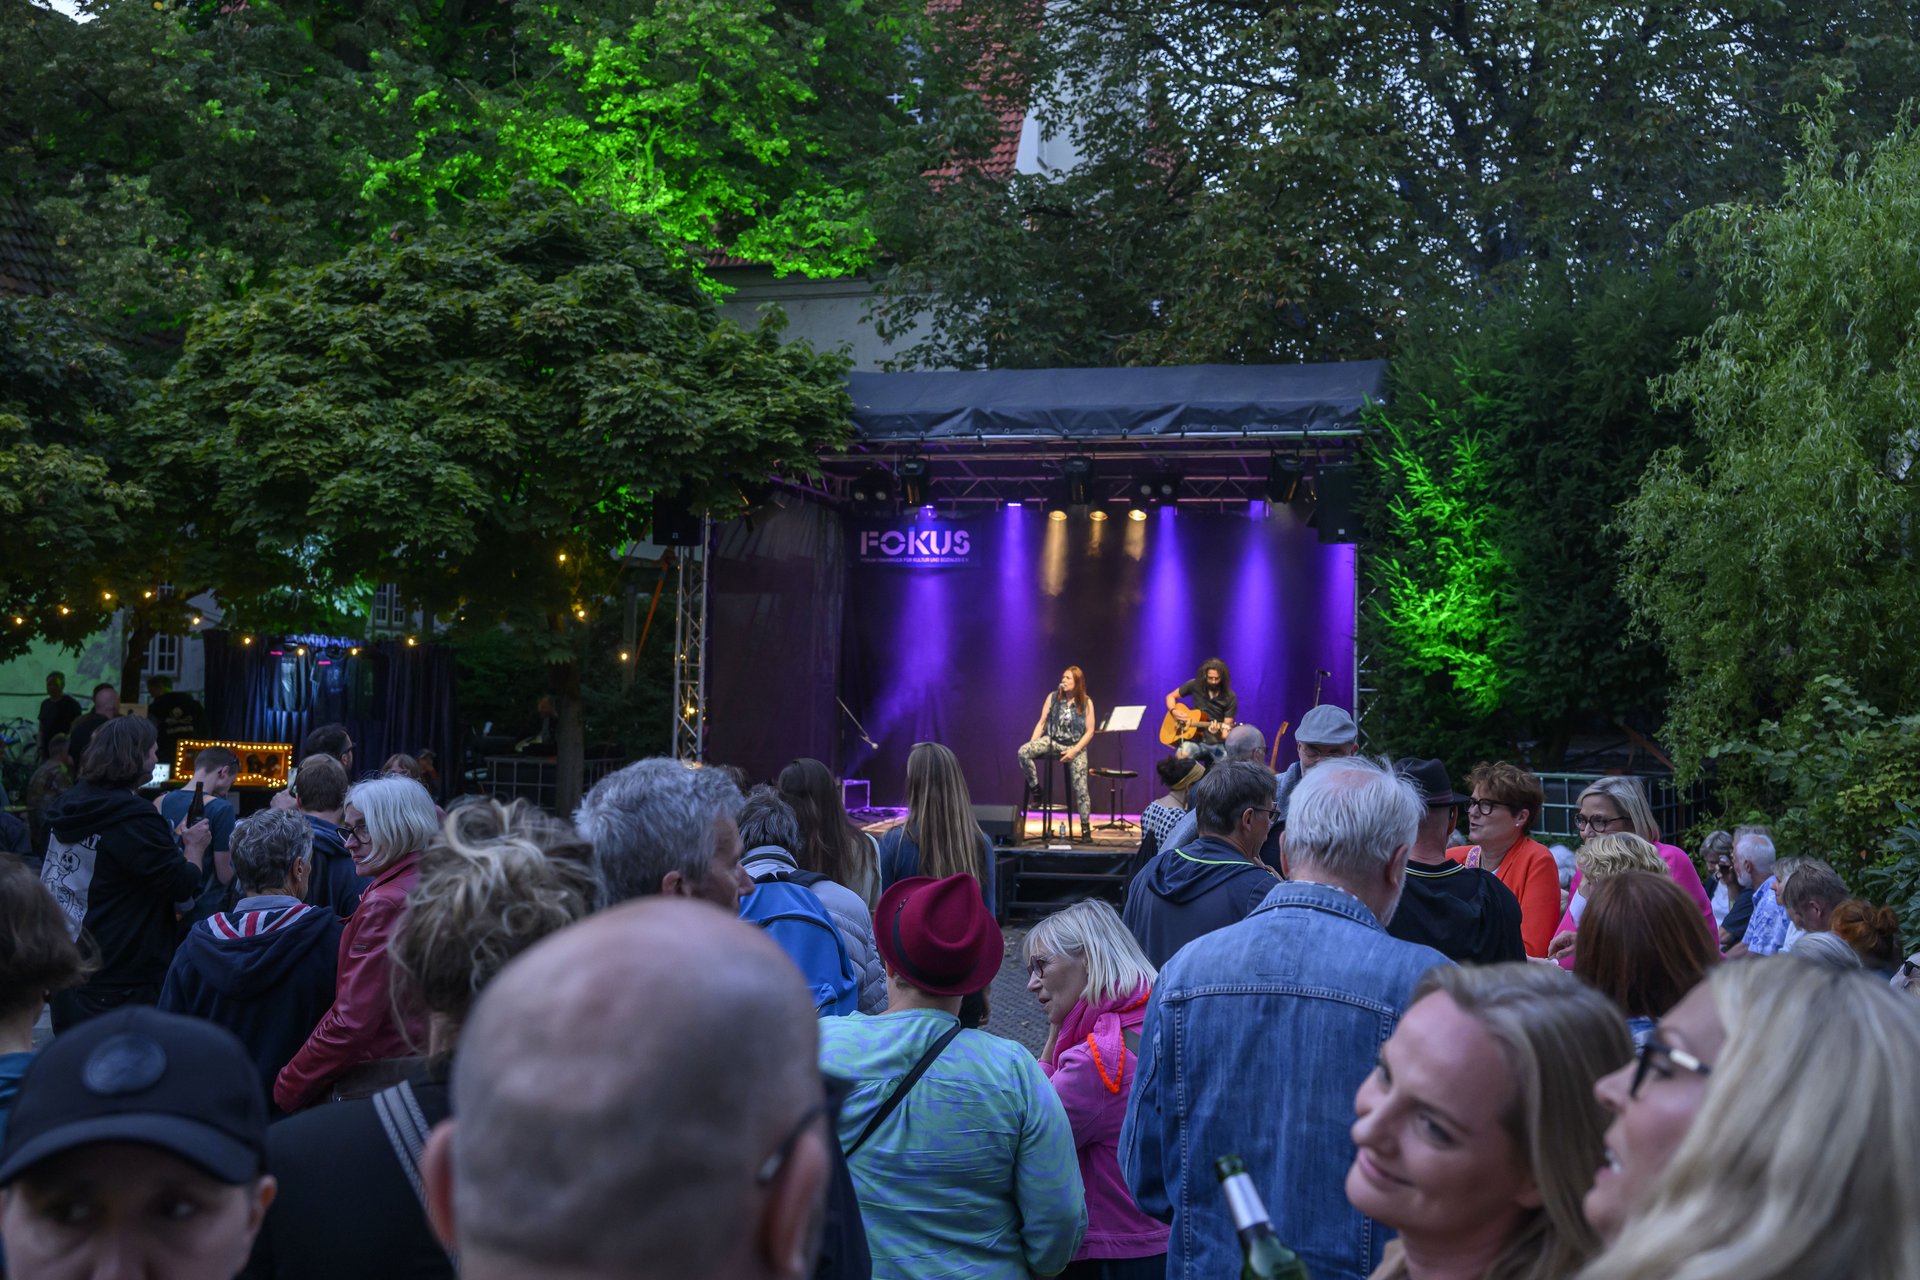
1213,699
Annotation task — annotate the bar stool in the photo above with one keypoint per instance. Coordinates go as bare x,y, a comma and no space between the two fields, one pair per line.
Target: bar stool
1114,777
1048,808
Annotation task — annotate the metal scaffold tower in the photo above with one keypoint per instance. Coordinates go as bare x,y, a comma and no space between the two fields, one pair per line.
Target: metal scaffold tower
690,650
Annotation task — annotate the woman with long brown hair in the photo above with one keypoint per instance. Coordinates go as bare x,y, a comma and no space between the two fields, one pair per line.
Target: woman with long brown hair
1643,945
1064,729
939,837
830,844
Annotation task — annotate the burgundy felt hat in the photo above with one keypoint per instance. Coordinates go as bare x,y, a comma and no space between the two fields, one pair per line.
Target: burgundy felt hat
938,934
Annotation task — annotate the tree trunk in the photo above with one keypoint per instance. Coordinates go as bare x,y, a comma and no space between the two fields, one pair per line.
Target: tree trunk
570,765
133,658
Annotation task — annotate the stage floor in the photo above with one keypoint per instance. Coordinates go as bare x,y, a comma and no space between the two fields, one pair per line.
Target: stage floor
878,822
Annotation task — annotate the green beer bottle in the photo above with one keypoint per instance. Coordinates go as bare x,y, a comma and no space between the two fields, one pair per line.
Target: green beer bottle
1264,1257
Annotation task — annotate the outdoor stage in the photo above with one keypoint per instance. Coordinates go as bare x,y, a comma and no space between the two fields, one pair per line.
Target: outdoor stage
1039,876
988,530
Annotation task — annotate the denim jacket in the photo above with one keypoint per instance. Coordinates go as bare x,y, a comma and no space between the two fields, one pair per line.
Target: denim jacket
1256,1039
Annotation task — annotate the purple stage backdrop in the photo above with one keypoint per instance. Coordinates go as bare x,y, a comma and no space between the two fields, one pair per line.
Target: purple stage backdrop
954,630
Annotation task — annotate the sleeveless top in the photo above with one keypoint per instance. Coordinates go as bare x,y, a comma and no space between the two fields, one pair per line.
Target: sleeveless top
1066,722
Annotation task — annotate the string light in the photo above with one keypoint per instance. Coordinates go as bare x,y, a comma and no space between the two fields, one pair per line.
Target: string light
106,595
623,655
563,557
353,653
19,621
64,611
409,643
280,754
246,639
146,595
301,650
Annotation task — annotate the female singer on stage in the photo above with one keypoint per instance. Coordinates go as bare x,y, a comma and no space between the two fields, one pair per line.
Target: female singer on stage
1064,729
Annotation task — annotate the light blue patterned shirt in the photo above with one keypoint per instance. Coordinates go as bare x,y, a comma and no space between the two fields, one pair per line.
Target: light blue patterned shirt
973,1176
1767,929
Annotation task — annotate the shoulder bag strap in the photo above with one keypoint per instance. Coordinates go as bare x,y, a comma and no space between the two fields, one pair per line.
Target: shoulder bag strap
899,1093
406,1128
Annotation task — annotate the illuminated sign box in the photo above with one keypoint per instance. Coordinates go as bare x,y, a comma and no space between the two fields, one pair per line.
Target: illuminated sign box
262,764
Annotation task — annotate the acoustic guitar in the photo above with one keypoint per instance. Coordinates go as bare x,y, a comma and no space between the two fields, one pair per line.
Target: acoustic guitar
1172,732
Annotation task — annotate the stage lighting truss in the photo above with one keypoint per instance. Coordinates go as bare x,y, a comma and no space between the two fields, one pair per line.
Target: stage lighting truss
874,492
913,481
1286,480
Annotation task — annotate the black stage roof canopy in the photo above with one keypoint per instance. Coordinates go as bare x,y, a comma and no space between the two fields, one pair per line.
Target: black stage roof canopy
1229,432
1115,404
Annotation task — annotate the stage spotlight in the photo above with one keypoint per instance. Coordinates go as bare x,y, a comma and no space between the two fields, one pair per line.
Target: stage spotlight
873,492
913,482
1078,473
1137,516
1096,515
1284,480
1158,489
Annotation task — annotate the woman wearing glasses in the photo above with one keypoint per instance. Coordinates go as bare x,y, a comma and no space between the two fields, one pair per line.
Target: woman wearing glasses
1616,805
387,822
1695,1186
1506,801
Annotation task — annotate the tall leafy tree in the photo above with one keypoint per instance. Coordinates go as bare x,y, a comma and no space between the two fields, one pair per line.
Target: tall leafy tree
486,414
1779,550
1285,182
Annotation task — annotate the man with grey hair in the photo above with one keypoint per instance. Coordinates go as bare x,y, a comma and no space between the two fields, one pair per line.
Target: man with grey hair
1215,879
659,826
1765,930
265,970
1258,1034
639,1096
771,833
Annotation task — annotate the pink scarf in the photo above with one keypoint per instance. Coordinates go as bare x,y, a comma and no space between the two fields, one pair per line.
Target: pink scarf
1083,1025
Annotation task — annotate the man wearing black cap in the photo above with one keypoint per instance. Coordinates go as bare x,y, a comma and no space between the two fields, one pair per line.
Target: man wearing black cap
1462,912
136,1147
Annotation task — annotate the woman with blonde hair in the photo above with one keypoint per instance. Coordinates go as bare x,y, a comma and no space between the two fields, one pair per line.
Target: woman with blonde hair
386,824
1618,804
1822,1188
1477,1135
497,880
1093,980
939,837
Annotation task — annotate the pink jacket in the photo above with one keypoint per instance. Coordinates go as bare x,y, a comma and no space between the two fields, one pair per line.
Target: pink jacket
1680,867
1092,1070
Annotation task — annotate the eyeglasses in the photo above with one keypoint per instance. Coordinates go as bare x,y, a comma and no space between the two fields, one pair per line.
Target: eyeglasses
770,1167
356,834
1482,808
1038,965
1588,822
1675,1057
1273,815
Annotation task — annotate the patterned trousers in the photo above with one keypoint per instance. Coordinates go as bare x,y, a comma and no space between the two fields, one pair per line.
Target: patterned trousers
1076,773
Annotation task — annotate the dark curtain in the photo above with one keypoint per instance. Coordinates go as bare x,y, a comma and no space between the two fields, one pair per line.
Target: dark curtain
777,583
392,697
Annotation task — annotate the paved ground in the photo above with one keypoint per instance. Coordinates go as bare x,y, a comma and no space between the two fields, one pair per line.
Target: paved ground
1011,1009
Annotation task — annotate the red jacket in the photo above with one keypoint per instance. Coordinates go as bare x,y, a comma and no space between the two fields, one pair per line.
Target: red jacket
361,1026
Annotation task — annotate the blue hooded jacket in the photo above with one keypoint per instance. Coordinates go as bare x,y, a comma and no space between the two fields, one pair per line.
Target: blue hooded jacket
1189,891
265,971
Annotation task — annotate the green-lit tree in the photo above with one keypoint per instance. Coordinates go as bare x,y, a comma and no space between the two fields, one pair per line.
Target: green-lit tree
485,414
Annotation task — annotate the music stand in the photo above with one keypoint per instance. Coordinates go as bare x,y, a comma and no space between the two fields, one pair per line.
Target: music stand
1119,720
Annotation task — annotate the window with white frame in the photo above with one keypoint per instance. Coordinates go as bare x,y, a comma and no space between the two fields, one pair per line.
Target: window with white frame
163,655
387,608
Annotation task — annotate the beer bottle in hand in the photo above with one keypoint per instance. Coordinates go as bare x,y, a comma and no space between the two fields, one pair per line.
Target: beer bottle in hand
197,807
1263,1256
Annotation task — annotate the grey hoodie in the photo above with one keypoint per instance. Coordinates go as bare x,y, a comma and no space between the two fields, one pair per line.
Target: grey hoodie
850,917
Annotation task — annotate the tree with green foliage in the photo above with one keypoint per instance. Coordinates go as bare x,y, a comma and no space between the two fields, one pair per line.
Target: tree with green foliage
1512,432
1775,555
1265,183
486,414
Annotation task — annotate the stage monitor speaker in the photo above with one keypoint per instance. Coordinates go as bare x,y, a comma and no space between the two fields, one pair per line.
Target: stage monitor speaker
1338,488
996,820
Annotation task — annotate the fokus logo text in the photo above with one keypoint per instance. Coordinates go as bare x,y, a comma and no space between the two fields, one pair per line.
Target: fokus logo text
916,546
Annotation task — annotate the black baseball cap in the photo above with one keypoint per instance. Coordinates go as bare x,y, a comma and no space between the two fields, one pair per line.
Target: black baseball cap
180,1084
1430,776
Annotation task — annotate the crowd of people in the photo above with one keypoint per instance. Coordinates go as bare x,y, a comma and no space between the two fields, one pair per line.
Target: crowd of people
710,1028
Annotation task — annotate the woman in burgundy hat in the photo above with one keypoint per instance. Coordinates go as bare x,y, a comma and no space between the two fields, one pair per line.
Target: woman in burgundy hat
960,1149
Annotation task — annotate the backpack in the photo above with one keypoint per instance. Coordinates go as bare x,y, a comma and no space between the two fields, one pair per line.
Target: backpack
786,908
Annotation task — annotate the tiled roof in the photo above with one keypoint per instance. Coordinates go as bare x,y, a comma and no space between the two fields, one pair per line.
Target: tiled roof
27,264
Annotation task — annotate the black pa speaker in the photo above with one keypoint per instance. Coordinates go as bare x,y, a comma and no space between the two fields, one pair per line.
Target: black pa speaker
996,820
1338,489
